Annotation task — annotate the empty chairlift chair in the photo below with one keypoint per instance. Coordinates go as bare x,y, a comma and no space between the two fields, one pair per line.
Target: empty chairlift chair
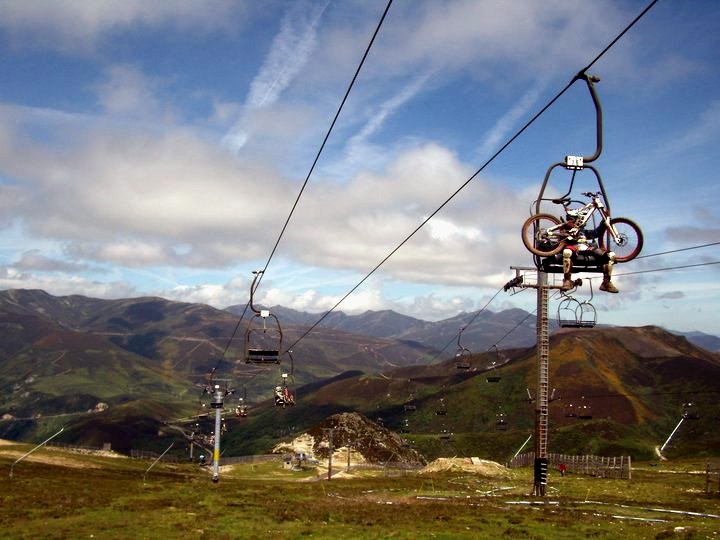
575,314
494,377
690,412
584,410
462,356
262,344
441,409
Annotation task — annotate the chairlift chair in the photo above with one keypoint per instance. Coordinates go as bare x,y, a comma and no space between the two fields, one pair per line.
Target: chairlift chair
283,396
584,410
570,411
690,411
242,409
495,363
585,261
462,354
256,337
410,406
575,314
501,422
254,352
441,408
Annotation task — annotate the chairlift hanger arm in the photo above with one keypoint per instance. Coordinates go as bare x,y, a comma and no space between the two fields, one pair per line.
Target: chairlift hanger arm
578,163
253,286
590,80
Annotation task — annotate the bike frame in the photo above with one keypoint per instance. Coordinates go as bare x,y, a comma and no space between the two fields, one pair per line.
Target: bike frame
594,204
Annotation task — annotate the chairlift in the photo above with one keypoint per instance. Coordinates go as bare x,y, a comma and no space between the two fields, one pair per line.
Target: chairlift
441,408
690,411
405,426
493,365
283,396
257,349
585,261
445,435
242,408
462,356
575,314
570,411
409,405
501,422
584,410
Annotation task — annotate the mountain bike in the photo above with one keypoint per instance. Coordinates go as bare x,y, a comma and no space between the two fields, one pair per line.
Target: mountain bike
545,234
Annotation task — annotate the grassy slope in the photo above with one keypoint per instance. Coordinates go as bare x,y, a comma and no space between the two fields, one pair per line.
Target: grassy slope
108,498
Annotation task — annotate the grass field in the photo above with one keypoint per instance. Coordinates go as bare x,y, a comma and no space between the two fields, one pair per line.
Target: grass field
60,494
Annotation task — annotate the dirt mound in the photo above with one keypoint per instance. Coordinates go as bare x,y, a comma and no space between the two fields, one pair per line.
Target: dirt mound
472,465
374,443
303,444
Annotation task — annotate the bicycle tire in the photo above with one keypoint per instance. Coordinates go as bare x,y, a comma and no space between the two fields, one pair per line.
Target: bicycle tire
534,235
631,239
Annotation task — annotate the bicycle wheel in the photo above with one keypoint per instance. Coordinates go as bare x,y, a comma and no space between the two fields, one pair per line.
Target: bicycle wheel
631,239
536,237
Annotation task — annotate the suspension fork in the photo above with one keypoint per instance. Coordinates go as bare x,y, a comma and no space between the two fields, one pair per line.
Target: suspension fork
608,225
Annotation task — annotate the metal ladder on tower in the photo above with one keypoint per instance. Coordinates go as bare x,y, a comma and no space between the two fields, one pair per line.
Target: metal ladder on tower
543,352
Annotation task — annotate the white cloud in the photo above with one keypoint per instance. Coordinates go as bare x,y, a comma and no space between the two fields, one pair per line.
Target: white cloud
288,54
498,133
34,260
63,285
127,91
220,296
78,25
386,109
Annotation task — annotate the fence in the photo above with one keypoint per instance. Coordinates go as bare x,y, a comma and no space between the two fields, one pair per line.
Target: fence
66,446
260,458
603,467
712,485
146,454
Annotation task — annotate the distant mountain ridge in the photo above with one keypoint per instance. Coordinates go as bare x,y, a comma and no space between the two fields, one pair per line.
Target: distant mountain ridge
487,328
516,326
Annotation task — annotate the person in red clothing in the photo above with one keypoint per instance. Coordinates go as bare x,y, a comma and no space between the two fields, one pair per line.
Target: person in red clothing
562,468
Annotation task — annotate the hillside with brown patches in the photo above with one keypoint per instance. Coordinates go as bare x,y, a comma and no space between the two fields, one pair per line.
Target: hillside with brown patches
633,382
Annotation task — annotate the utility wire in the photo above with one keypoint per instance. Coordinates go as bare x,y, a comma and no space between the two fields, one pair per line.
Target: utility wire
307,177
488,162
668,268
677,250
454,338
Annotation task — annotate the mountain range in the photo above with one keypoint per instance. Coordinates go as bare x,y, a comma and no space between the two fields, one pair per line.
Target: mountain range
123,371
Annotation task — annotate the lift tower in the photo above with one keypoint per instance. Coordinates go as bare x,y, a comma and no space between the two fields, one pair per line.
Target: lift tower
543,360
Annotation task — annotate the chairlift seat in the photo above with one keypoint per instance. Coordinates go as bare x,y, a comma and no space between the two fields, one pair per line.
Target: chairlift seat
262,356
583,261
463,365
493,378
574,323
409,407
441,412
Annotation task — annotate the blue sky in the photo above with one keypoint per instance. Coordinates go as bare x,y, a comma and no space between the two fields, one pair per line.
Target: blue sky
156,148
